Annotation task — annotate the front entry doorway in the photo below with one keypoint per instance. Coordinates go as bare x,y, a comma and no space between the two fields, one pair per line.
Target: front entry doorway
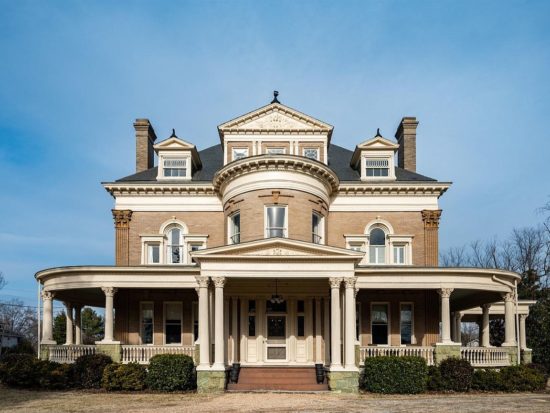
276,342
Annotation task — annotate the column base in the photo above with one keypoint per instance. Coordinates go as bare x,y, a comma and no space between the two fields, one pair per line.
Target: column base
45,349
48,342
446,350
526,356
342,381
209,381
112,349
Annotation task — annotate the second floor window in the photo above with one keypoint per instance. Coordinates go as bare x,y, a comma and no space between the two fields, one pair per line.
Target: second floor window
276,222
175,167
377,167
399,254
239,153
316,228
235,228
377,246
174,250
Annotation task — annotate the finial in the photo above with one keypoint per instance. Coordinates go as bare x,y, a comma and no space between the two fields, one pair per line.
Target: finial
275,94
173,135
378,133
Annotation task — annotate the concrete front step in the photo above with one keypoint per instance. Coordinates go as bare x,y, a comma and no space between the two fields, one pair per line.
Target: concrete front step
277,379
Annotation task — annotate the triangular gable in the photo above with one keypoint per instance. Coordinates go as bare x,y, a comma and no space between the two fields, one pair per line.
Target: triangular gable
173,143
277,247
275,117
377,143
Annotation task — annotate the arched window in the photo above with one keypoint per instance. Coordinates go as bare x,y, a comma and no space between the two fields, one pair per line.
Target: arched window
377,246
174,245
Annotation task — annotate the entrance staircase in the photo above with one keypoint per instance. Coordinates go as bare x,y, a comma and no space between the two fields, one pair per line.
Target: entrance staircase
299,379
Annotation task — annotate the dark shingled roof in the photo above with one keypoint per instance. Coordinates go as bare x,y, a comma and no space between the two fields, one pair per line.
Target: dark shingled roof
212,161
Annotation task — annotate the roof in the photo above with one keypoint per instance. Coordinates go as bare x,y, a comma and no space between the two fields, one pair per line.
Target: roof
338,160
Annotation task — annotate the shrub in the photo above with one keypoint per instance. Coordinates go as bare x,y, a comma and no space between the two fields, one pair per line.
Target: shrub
129,377
19,370
487,380
434,379
87,371
171,372
456,374
522,378
23,347
53,376
405,375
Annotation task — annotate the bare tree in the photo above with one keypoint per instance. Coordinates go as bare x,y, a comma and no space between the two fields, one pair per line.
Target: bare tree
454,257
19,319
3,281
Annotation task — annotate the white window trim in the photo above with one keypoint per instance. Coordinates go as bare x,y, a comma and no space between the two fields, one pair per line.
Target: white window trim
363,240
285,228
321,231
387,303
164,323
230,227
413,336
401,240
235,148
304,149
386,245
182,155
141,303
147,240
389,155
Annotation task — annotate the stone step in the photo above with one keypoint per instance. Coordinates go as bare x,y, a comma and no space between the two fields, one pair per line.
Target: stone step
275,387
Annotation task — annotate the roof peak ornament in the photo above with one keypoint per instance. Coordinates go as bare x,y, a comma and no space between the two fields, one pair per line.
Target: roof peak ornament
378,133
275,94
173,135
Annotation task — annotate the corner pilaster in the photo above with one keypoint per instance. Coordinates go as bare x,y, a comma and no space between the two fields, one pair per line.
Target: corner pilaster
431,236
122,218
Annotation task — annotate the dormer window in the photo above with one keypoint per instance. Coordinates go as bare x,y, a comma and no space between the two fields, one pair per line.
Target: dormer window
174,168
311,153
239,153
375,167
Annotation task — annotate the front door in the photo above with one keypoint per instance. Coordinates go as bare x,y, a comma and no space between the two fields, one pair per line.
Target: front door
276,337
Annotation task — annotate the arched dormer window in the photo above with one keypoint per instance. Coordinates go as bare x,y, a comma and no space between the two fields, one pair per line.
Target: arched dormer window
377,246
174,244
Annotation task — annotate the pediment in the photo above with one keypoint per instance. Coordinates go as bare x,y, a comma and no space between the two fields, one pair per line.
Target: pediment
174,143
378,142
275,117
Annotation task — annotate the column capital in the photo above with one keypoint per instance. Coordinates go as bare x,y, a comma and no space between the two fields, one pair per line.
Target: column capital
458,315
523,317
48,295
335,282
508,297
445,292
219,282
485,307
109,291
202,280
349,282
122,217
431,218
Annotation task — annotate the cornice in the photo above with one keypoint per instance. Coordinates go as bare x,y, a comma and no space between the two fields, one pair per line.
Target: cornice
290,163
393,188
159,188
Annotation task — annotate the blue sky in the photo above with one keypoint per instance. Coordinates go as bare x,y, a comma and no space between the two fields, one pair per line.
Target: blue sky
74,75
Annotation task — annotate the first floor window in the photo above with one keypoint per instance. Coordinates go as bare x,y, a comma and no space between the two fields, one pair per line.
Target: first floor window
196,321
399,254
252,318
153,253
406,323
275,221
235,228
377,167
175,167
311,153
239,153
172,323
146,323
379,323
301,319
357,321
316,227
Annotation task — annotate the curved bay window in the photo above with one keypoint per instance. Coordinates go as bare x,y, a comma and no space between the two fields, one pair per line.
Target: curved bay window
276,222
174,245
377,246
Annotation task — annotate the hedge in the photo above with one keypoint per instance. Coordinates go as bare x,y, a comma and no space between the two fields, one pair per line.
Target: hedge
19,370
456,374
128,377
403,375
171,372
522,378
87,371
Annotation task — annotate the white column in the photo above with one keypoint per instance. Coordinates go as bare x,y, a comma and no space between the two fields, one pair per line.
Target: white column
318,337
226,319
458,327
219,283
109,316
326,328
349,341
47,323
445,294
335,354
78,324
509,322
211,305
485,331
69,323
522,333
235,330
204,328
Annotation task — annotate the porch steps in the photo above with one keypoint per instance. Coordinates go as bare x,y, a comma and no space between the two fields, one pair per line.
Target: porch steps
298,379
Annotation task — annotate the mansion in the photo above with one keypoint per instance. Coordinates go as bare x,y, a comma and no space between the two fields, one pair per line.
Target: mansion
277,251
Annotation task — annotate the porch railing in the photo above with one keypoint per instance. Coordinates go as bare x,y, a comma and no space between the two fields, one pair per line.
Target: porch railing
69,353
142,354
426,353
485,356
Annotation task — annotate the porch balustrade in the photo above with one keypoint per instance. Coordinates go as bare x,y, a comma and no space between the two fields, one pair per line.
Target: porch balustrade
142,354
69,353
426,353
486,356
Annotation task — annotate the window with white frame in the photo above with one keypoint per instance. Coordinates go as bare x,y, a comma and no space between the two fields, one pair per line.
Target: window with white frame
172,322
377,167
153,253
174,167
380,324
276,221
146,322
316,228
399,252
357,246
275,151
194,246
311,153
377,246
235,228
406,323
239,153
174,245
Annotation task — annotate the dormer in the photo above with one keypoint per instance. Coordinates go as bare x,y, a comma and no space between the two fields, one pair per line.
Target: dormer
275,129
177,159
375,159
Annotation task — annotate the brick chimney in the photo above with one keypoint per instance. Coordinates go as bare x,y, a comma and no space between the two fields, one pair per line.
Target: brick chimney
145,138
406,138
